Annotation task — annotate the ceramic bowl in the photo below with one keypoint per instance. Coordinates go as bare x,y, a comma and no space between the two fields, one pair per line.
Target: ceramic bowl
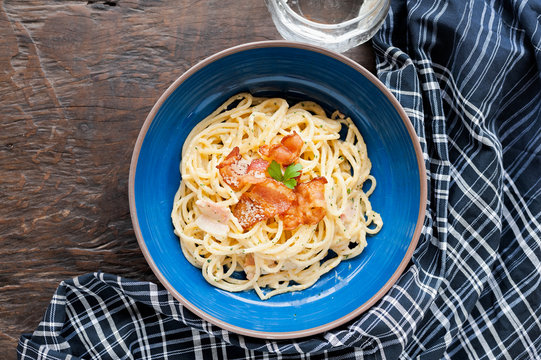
296,72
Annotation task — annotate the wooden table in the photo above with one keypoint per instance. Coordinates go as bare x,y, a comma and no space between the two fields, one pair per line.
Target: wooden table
77,79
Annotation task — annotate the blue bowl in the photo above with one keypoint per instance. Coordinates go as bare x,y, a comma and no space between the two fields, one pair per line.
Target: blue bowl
293,71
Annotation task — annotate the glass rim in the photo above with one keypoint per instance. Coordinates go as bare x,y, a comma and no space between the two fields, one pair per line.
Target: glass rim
332,26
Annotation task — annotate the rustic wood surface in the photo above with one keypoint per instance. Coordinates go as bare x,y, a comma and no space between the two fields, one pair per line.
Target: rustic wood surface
77,79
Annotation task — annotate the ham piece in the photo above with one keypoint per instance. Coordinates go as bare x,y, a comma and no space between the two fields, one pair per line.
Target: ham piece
249,266
213,218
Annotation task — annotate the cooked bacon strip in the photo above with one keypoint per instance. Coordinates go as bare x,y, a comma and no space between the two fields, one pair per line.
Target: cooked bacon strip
256,171
273,194
248,212
227,168
238,172
286,152
263,201
309,206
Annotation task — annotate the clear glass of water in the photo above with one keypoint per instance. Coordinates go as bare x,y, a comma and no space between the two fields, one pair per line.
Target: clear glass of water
337,25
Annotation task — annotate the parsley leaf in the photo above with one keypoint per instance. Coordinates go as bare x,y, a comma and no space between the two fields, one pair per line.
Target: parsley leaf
291,183
275,171
289,175
292,171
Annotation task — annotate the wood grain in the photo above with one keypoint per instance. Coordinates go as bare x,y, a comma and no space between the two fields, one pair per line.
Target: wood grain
77,79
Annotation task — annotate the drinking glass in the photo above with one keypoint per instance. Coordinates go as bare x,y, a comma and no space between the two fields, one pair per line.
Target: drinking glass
337,25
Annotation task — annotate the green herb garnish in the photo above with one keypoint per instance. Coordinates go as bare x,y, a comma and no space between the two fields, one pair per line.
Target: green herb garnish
275,171
289,175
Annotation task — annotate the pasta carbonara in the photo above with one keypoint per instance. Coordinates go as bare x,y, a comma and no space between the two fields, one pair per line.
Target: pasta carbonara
273,196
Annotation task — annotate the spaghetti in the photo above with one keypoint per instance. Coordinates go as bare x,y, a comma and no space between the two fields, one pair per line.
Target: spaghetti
269,254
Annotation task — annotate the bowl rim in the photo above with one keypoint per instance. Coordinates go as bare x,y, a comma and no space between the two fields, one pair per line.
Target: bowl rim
289,334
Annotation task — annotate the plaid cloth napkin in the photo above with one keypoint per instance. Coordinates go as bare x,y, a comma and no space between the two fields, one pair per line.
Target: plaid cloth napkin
467,74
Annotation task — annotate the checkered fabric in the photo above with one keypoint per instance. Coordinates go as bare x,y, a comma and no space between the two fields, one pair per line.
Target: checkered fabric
467,74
